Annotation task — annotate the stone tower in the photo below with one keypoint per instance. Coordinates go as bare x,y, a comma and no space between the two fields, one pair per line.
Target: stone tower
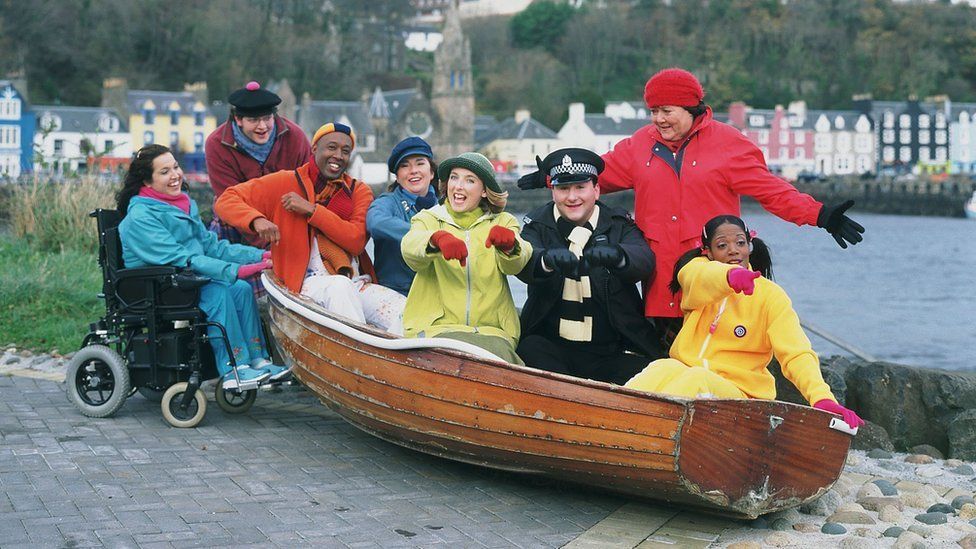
452,91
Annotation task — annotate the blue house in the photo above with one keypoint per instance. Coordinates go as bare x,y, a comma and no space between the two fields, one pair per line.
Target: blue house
16,132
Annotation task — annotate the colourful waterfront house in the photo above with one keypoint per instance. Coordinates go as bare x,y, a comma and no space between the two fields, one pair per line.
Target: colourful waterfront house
909,133
785,136
180,120
518,140
16,132
962,138
80,139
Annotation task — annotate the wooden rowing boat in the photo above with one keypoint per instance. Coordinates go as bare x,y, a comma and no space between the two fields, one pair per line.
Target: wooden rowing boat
740,458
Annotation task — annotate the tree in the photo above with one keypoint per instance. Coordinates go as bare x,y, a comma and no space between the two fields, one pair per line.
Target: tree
541,25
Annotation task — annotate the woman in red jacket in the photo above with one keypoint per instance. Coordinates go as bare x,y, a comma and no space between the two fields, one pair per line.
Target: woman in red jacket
686,168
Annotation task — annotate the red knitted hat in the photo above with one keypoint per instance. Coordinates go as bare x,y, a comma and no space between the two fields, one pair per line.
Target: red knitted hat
674,86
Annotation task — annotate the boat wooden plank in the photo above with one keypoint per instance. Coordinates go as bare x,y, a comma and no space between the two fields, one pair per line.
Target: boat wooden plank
415,420
483,398
529,426
749,451
525,380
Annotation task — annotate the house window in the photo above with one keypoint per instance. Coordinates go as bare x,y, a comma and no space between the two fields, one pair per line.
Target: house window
10,107
889,119
940,121
799,138
888,154
148,138
198,118
784,137
174,140
10,136
149,117
844,141
757,121
799,153
822,142
923,121
174,117
940,137
109,146
888,136
905,121
784,153
923,154
842,164
905,154
863,164
763,137
862,143
905,136
923,137
940,154
58,147
198,142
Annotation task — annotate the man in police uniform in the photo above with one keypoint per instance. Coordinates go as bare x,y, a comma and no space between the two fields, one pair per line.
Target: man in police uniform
584,315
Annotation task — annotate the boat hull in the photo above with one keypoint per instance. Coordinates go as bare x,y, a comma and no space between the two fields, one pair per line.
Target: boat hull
735,457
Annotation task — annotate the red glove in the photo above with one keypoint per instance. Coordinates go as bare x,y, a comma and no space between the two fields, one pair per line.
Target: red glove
266,255
502,238
849,416
251,269
451,247
743,280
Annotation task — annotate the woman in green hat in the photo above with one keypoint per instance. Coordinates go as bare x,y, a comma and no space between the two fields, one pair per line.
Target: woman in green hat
462,250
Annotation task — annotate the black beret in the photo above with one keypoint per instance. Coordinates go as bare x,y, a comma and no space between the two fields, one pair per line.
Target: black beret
253,100
571,165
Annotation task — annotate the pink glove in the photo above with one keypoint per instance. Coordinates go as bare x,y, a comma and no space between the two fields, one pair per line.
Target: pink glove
251,269
266,255
743,280
849,416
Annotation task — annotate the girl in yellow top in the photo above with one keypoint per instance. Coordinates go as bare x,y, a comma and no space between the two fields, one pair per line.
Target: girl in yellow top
735,321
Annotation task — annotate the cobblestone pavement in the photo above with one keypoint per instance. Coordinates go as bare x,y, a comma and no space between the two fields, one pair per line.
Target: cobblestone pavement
287,473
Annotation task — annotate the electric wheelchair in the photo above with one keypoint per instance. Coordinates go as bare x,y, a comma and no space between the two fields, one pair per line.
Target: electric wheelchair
152,340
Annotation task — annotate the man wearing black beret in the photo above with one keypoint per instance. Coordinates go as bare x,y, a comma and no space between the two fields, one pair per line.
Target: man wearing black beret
584,316
254,141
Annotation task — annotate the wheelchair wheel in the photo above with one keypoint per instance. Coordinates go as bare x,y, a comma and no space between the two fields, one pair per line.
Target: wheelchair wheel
232,401
97,381
183,418
151,394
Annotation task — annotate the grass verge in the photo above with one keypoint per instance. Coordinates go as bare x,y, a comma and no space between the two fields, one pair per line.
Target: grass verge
47,299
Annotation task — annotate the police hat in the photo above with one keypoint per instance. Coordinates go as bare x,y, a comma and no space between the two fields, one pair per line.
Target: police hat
253,100
572,165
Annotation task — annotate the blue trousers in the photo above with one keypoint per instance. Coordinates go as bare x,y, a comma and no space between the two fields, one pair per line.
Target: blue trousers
233,306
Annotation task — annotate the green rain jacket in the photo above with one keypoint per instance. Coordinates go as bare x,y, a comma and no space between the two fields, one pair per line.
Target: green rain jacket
446,297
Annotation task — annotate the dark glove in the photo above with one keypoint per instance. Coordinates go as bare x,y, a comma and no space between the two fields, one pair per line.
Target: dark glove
607,256
534,180
561,260
427,201
841,227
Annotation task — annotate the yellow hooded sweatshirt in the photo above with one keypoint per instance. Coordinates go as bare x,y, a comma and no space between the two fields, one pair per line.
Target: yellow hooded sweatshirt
749,331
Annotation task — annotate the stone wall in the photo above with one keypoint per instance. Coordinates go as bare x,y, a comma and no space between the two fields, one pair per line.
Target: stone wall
886,195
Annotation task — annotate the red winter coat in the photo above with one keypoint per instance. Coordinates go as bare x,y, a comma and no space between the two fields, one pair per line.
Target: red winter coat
227,165
717,165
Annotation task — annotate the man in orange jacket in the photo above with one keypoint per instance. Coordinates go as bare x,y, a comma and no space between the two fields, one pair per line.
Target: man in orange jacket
327,263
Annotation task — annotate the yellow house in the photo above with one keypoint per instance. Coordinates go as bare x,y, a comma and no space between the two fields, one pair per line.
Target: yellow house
179,120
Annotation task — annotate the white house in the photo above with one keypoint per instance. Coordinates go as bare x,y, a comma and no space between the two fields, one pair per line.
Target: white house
68,137
843,143
600,132
518,140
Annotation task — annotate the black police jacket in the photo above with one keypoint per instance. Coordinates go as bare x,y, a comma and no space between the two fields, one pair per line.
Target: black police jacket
614,289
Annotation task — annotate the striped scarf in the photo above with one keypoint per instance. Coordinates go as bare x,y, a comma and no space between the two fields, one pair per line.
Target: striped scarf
578,291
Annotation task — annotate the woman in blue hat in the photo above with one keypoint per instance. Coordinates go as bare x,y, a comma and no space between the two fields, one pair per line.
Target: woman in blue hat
388,218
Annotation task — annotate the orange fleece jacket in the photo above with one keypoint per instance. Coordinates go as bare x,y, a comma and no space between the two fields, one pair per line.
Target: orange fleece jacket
241,204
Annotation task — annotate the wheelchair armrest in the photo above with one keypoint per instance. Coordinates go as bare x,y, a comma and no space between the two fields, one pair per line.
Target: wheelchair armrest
145,272
188,280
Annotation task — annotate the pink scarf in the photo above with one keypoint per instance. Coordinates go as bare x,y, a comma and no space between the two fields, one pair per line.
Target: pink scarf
181,201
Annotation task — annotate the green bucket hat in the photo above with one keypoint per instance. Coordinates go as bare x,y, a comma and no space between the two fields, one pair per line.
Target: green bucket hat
475,162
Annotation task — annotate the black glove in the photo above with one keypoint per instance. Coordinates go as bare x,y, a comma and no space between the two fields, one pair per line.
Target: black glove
841,227
561,260
605,255
534,180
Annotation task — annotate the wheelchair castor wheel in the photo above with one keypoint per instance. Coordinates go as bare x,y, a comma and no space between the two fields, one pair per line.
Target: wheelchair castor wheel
97,381
234,401
183,418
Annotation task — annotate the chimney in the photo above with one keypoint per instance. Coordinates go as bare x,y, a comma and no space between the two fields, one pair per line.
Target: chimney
522,115
737,114
577,111
798,109
114,94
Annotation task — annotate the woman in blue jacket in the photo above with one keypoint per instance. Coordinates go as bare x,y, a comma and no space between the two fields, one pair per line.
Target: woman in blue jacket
161,226
388,218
